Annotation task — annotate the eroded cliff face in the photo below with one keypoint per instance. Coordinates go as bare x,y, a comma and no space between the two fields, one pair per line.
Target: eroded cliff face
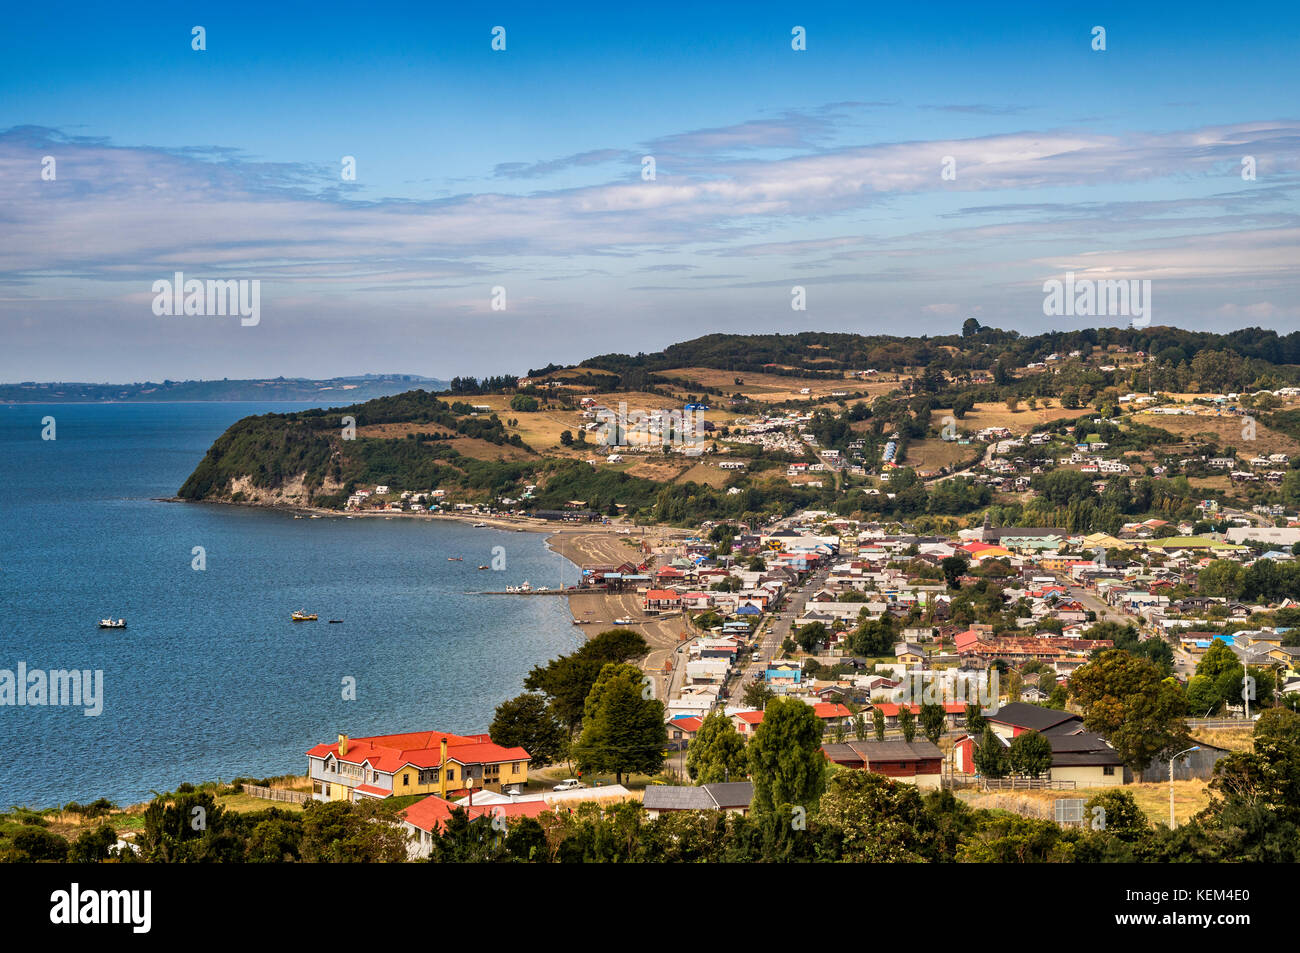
289,493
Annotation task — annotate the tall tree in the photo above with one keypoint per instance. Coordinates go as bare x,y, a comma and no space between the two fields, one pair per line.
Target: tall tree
907,721
974,719
785,756
878,722
623,728
756,695
1128,702
717,752
991,755
526,721
567,680
933,721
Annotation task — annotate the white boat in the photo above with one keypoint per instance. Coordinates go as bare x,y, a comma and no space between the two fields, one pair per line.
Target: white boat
480,525
526,587
112,623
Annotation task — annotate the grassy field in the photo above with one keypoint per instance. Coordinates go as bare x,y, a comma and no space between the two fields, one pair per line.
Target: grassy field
931,454
1234,739
1022,421
775,387
1190,797
1227,431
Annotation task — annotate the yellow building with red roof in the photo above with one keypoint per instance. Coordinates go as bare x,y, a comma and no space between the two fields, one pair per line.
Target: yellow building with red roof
421,762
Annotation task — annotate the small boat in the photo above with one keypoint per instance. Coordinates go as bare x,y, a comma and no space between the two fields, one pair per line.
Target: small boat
301,616
482,567
455,559
335,621
480,525
112,623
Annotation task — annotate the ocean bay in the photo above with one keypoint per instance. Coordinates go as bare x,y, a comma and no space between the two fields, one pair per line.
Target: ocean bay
211,678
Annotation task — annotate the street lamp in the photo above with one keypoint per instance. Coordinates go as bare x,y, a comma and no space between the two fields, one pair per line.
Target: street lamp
1172,820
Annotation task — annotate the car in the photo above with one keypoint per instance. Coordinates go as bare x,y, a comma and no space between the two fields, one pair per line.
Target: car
569,784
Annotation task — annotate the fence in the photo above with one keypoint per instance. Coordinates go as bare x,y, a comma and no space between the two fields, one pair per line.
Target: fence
1026,784
1219,723
277,794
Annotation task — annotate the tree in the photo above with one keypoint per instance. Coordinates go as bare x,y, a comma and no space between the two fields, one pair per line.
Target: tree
878,722
907,721
877,820
717,752
1015,685
346,832
933,721
1030,754
809,636
756,695
566,438
860,727
1122,816
1128,701
567,680
974,720
526,721
93,846
276,839
969,328
785,756
991,755
623,729
953,567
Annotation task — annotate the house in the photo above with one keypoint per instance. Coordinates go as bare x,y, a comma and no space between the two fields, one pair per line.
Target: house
658,600
424,819
684,729
1077,755
911,762
909,653
730,797
832,714
420,762
747,722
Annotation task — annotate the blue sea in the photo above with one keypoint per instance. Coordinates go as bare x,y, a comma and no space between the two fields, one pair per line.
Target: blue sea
211,679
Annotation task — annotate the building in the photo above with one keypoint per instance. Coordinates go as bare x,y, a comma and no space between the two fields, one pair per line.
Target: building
421,762
1077,755
423,820
911,762
730,797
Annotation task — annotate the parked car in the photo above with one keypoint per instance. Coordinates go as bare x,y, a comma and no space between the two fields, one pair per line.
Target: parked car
569,784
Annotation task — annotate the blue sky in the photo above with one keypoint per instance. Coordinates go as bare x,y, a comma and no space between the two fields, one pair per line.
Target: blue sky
522,169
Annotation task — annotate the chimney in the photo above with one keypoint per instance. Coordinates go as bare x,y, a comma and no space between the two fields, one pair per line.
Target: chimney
343,745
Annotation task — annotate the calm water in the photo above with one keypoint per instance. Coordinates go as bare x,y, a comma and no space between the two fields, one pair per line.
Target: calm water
211,679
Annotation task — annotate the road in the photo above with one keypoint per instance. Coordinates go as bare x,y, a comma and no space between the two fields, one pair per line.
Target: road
1105,613
776,628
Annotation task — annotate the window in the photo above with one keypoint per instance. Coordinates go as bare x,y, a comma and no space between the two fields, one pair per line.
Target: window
406,780
514,768
1108,770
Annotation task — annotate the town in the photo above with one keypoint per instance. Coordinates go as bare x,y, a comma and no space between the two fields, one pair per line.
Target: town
1022,586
